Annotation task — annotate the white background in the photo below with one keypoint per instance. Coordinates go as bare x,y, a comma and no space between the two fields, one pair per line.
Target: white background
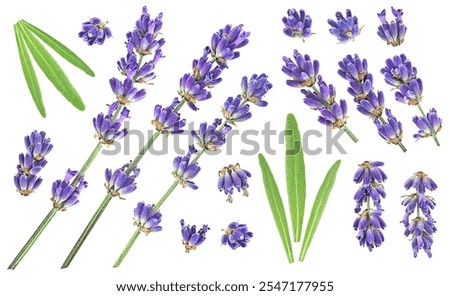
334,255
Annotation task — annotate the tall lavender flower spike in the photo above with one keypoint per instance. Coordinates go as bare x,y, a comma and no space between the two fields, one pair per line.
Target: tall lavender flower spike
64,193
145,220
125,92
94,31
211,137
167,121
121,181
297,24
236,235
184,170
255,88
233,177
191,237
233,111
225,42
369,225
432,123
344,28
422,227
392,33
109,129
302,70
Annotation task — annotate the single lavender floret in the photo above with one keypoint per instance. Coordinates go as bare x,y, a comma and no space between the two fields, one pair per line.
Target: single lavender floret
399,71
211,137
322,100
184,170
65,194
369,172
255,88
192,91
302,70
428,126
121,181
233,110
344,28
107,129
393,33
167,121
297,24
391,131
94,31
236,235
225,42
191,237
335,116
125,92
421,182
145,219
233,177
369,225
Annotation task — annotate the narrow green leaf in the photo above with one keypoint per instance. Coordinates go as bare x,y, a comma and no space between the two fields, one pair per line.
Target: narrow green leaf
318,207
60,48
51,69
28,72
276,205
295,175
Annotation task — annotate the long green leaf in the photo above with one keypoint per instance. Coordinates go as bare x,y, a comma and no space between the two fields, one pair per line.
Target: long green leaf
28,72
295,175
60,48
51,69
276,205
318,207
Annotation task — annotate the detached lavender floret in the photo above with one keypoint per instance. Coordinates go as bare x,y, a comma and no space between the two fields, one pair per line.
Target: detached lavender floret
167,121
121,181
95,31
233,177
145,219
211,137
297,24
394,32
344,28
236,235
184,170
107,129
64,193
191,237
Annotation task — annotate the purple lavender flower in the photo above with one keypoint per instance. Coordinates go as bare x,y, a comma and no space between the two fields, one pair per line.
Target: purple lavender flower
29,165
125,92
128,66
344,28
322,100
422,232
146,25
225,42
167,121
211,137
421,182
352,68
428,126
394,32
302,71
399,71
94,31
122,181
373,106
192,91
236,235
234,111
107,129
392,130
417,200
38,145
145,219
26,185
144,39
191,237
366,192
411,93
335,116
255,88
369,172
231,177
184,170
64,193
297,24
203,71
369,225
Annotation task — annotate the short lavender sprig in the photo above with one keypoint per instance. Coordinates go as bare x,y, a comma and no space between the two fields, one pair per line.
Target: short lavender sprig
422,226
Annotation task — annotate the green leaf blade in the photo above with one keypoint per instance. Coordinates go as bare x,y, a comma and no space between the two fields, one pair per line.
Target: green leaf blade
318,207
60,48
276,206
28,71
295,175
52,69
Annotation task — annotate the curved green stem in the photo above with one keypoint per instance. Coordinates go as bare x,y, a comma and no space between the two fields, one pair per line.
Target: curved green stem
127,248
33,239
433,132
350,134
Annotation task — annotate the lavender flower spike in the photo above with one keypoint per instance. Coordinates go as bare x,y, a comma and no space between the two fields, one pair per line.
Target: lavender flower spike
392,33
107,129
145,220
255,88
95,31
167,121
234,111
225,42
125,92
211,137
344,28
428,126
184,170
191,237
65,194
369,225
297,24
236,235
231,177
121,181
302,70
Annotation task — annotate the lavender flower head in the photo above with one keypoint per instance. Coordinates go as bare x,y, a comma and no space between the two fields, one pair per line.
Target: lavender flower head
399,71
121,181
335,116
352,68
344,28
422,235
369,225
391,131
410,93
428,126
421,182
297,24
236,235
225,42
184,170
94,31
38,145
125,92
234,111
322,100
392,33
416,200
373,106
233,177
255,88
107,129
145,219
369,172
64,193
191,237
211,137
192,91
167,121
302,71
203,71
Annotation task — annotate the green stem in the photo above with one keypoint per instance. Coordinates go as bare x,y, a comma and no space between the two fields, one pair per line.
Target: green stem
180,105
165,196
87,164
142,152
400,144
87,230
433,132
33,239
127,248
350,134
